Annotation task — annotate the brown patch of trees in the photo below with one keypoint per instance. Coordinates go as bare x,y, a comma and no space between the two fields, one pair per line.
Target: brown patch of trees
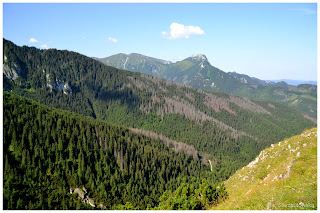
177,146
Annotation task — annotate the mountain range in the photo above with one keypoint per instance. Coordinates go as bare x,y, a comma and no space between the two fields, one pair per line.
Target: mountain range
202,134
295,82
196,71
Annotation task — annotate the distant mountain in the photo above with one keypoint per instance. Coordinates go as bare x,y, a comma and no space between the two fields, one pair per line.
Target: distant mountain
282,177
225,129
196,71
295,82
193,125
135,61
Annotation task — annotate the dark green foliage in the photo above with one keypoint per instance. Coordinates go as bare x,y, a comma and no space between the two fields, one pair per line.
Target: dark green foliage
138,101
127,206
186,197
48,151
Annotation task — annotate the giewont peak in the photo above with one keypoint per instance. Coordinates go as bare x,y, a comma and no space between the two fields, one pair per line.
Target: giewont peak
199,57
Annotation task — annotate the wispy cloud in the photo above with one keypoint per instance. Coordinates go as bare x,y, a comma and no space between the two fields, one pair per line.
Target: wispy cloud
113,40
44,46
181,31
304,11
33,40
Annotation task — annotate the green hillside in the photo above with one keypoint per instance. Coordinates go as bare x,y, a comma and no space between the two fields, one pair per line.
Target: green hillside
196,71
282,177
48,153
136,62
227,130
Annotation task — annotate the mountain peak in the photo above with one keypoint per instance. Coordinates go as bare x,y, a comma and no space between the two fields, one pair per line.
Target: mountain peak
199,57
138,55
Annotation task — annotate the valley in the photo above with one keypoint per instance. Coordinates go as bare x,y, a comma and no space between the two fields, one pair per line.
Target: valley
159,106
47,152
129,138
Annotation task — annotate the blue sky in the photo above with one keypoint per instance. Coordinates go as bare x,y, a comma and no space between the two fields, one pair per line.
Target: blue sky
267,41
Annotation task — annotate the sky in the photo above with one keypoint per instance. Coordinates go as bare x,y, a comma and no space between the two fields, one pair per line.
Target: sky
264,40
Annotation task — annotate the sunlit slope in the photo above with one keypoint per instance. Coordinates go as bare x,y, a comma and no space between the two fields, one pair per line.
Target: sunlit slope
196,71
283,176
226,129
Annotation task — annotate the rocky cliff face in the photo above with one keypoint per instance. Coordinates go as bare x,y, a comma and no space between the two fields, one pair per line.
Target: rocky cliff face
85,198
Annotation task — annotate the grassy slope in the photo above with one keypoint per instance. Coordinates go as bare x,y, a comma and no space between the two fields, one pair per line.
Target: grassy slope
259,185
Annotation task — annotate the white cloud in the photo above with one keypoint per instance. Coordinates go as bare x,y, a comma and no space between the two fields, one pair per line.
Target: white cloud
33,40
113,40
44,46
181,31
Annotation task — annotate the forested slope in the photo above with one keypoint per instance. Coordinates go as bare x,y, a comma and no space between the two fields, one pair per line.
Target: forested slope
48,152
196,71
226,129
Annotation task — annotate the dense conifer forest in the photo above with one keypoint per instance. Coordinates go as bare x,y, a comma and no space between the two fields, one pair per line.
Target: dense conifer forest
133,138
47,152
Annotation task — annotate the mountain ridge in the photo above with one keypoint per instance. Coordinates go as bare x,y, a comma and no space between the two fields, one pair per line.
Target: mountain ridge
192,124
228,128
296,82
196,71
